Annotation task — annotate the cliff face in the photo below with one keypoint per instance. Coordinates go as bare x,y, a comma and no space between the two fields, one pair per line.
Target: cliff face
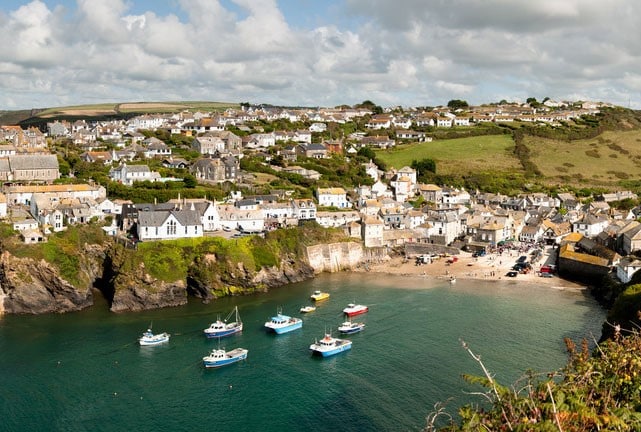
140,291
34,287
28,286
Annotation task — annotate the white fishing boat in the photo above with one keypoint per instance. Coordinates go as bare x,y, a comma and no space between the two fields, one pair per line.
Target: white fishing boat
280,323
220,357
148,338
307,309
349,327
328,346
221,328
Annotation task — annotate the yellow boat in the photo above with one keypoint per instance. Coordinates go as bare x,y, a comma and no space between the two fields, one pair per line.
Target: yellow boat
319,295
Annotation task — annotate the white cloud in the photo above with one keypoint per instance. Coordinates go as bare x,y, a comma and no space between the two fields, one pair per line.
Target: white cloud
409,52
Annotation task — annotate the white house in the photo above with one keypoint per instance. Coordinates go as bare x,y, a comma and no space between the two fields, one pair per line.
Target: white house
590,225
444,122
206,210
3,206
169,224
332,197
128,174
318,127
626,268
337,219
303,209
372,231
231,217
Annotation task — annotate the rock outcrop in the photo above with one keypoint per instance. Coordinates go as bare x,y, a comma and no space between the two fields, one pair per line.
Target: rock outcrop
35,287
28,286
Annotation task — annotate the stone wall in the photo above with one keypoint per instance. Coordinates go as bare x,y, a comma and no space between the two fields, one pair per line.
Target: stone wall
335,257
414,249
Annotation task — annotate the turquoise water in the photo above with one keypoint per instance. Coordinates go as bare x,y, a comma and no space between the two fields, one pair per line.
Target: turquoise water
85,371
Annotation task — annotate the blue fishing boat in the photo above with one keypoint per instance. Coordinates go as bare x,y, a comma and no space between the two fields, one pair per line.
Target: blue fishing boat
349,327
329,346
283,323
220,357
220,328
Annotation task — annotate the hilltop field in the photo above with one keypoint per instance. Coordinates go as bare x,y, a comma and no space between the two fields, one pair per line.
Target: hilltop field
109,110
133,108
611,160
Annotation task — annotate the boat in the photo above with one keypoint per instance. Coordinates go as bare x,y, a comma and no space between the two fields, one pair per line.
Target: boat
148,338
220,328
354,309
319,295
306,309
220,357
329,346
453,280
349,327
283,323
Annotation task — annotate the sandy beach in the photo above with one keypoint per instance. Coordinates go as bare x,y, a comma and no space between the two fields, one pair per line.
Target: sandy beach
493,266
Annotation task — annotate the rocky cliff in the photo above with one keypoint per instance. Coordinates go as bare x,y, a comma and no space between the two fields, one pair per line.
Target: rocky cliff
30,286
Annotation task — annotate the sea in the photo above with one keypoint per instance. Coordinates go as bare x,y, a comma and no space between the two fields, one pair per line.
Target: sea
85,371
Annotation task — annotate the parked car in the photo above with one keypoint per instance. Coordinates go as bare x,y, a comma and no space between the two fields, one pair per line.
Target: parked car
522,259
512,274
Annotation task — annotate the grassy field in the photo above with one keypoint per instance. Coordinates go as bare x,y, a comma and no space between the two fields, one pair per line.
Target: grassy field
134,107
482,153
156,107
80,110
602,161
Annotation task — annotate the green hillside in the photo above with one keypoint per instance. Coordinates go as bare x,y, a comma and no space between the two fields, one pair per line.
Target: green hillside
458,156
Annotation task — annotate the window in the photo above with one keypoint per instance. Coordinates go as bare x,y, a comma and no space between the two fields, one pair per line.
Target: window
171,227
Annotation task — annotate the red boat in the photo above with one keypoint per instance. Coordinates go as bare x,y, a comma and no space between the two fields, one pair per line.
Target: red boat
354,309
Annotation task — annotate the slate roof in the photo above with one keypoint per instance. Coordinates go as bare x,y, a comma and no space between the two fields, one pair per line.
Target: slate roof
31,162
157,218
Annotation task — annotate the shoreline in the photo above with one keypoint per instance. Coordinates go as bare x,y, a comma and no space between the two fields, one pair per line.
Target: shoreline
492,267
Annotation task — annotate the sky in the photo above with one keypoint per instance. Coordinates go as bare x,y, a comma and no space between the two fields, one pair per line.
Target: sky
318,52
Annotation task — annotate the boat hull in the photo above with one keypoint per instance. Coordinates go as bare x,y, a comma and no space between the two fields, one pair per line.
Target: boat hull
225,361
351,330
156,340
285,329
222,333
356,312
346,346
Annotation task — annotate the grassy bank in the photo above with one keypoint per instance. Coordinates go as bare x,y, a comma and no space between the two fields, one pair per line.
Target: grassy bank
459,155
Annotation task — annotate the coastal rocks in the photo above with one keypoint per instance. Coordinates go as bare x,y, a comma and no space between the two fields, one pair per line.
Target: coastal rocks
154,295
209,279
288,272
31,286
137,290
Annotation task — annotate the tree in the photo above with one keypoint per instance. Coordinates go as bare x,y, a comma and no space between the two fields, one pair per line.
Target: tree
368,104
533,102
423,169
190,181
455,104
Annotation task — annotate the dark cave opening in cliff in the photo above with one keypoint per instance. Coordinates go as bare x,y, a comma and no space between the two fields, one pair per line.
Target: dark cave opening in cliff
105,284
